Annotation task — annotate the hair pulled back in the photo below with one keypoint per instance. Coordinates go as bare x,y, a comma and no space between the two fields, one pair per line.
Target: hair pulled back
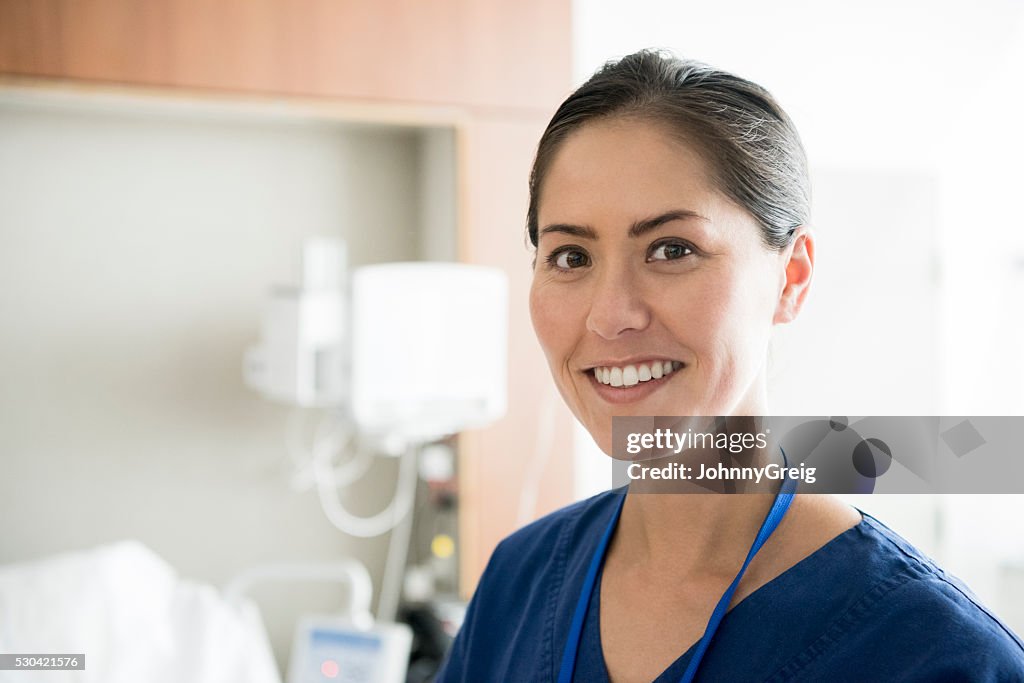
750,144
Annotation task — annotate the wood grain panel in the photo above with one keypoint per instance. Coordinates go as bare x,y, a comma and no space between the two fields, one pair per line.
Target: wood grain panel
28,36
494,166
475,52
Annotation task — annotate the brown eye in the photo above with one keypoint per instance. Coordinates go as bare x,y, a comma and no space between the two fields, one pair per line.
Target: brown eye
669,251
568,259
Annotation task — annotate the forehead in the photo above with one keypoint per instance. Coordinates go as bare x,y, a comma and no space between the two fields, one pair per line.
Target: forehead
619,170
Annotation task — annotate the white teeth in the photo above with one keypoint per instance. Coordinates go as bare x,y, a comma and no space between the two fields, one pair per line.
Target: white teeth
631,375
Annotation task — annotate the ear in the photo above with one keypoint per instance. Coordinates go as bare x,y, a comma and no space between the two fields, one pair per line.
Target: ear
799,267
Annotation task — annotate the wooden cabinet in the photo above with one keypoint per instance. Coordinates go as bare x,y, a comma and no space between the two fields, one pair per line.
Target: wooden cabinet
481,53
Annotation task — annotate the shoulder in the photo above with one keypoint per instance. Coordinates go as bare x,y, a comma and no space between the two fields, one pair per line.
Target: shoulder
563,529
508,631
538,556
931,596
910,616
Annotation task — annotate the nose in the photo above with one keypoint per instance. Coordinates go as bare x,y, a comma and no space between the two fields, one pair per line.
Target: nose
618,304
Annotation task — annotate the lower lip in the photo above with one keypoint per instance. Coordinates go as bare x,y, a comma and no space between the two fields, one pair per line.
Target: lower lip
637,392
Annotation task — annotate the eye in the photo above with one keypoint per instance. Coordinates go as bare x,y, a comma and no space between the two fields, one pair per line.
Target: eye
568,258
669,251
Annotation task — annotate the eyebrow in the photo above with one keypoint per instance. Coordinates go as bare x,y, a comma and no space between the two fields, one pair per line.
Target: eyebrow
638,229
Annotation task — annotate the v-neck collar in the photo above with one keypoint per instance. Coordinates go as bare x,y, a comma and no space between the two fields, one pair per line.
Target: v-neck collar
785,581
671,674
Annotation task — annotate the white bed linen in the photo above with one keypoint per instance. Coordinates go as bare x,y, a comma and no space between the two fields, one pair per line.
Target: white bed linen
134,619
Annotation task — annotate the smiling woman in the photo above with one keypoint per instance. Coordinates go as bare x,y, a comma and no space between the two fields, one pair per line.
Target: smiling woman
669,211
628,277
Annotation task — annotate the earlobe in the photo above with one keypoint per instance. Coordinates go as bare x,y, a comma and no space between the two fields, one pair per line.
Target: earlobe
799,269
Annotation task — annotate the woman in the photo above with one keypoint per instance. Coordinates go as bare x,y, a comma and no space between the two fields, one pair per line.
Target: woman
668,206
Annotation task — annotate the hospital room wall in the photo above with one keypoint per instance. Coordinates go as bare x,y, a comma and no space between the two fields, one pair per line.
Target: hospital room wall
138,248
498,68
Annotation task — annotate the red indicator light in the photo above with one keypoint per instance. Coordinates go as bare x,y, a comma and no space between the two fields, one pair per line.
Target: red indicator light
329,668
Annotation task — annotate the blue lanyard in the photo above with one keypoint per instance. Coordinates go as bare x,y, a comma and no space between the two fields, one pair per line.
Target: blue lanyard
782,500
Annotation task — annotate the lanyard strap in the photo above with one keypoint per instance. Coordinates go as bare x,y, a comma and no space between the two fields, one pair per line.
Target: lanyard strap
565,674
568,667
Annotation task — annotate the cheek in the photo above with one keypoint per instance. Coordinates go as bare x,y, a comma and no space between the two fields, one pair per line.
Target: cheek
746,323
727,319
552,320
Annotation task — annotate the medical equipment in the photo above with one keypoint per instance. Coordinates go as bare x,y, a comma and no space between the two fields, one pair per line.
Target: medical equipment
301,358
412,353
435,625
427,345
428,348
348,646
334,649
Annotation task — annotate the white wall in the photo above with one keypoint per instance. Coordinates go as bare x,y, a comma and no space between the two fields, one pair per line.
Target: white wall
138,243
908,112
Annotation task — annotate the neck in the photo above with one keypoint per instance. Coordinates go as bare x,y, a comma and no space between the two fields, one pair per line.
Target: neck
685,533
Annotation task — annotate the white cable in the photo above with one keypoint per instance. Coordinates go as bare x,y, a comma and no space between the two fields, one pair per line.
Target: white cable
398,545
338,439
395,518
538,463
362,527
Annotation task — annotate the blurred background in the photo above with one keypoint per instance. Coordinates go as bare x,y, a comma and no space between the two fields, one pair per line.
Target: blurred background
172,173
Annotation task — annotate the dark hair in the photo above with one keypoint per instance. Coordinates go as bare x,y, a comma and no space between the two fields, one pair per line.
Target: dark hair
751,145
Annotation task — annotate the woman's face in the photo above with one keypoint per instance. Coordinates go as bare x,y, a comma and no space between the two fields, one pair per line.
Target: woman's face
652,292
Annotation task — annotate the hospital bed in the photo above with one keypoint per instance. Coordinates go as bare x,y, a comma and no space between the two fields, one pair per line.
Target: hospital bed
135,621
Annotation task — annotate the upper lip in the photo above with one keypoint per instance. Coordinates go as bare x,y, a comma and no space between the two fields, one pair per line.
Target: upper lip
631,360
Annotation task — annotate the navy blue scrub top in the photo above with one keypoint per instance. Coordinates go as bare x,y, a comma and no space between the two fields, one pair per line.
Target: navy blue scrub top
866,606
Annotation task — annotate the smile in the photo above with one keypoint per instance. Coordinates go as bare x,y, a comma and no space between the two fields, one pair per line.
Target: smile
631,375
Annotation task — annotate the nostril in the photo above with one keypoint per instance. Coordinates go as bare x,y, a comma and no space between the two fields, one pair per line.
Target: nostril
611,321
